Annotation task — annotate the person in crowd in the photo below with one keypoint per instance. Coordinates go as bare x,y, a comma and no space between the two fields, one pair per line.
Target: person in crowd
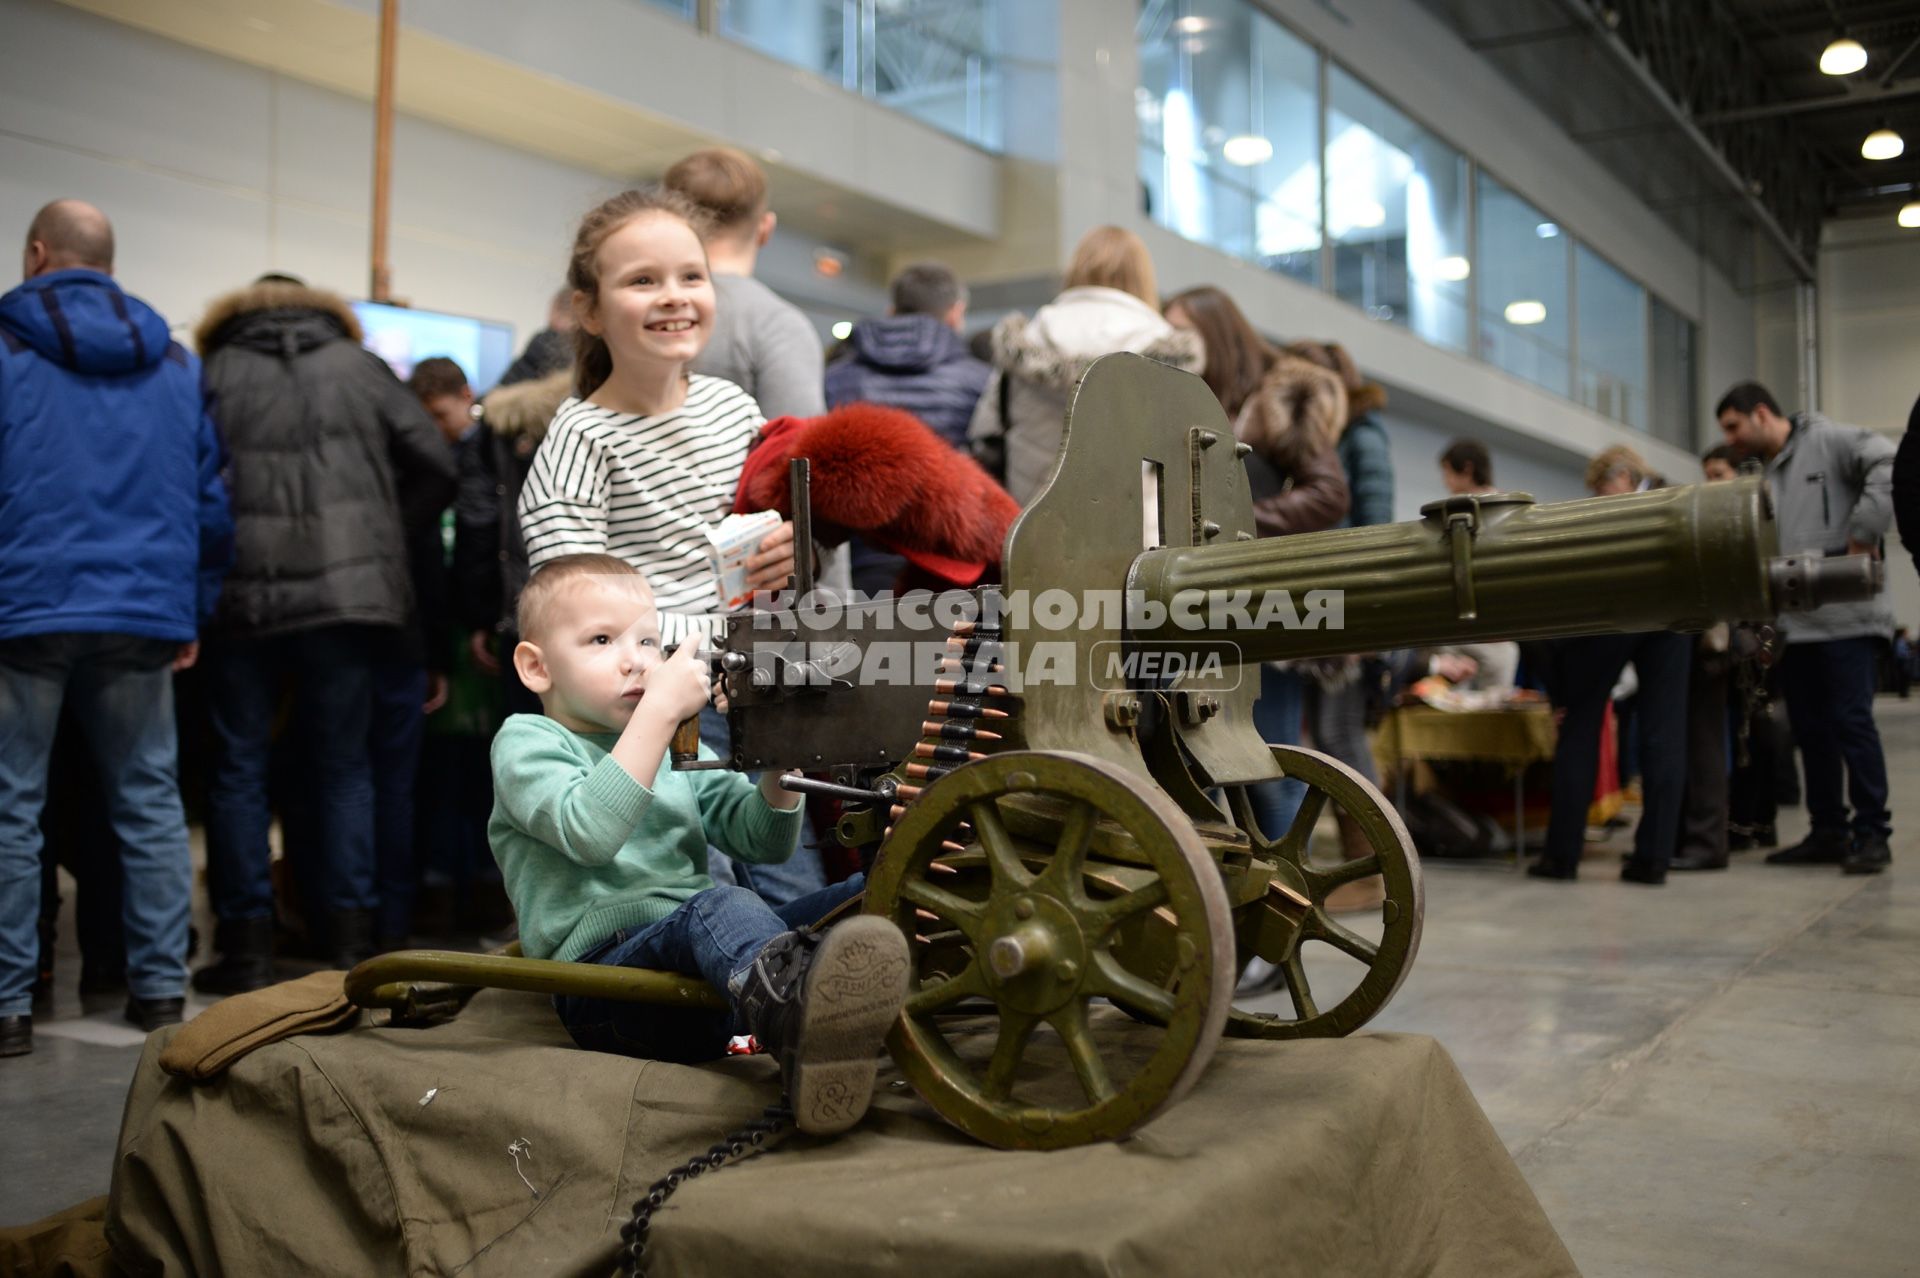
1466,470
1902,662
647,455
1906,486
1721,463
766,346
913,359
1832,495
489,551
1752,796
1337,692
1620,469
1110,304
1366,457
1466,467
1289,410
548,351
603,845
760,342
1582,676
336,468
1705,821
116,536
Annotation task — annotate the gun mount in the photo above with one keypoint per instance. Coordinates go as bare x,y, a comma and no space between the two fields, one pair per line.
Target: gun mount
1057,769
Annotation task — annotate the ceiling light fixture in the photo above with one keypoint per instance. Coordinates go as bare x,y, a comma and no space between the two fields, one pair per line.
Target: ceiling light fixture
843,329
1883,144
1453,268
1526,312
1910,215
1843,57
1547,230
1247,150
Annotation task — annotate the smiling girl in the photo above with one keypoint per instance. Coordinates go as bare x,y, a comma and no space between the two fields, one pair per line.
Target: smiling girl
646,455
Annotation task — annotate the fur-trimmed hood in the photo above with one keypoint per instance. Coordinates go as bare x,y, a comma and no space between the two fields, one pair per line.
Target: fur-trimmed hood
1054,348
1370,398
277,318
523,410
1299,408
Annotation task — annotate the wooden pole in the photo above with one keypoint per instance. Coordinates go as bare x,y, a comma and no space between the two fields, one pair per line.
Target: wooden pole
382,284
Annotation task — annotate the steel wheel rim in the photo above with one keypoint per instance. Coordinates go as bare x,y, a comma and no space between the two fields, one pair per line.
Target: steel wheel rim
1025,930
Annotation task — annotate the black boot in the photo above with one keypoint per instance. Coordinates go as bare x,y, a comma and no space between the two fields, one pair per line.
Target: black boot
1822,847
1870,857
246,958
151,1014
16,1035
350,938
821,1005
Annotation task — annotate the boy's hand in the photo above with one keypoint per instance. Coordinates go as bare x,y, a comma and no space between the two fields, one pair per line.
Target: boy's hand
680,686
772,564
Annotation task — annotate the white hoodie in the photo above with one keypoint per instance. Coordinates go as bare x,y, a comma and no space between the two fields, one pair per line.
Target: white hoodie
1045,357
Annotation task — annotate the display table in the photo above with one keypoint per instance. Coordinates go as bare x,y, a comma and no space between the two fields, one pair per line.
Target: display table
1515,736
1363,1156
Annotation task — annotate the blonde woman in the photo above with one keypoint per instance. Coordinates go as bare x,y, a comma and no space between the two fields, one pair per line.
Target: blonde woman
1110,303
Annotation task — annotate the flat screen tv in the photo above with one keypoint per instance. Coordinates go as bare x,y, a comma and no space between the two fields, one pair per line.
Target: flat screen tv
403,337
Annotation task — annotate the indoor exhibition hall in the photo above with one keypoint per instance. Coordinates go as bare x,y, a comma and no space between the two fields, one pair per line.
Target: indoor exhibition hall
960,637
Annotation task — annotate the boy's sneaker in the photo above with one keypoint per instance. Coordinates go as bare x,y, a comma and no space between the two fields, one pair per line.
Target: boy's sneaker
821,1005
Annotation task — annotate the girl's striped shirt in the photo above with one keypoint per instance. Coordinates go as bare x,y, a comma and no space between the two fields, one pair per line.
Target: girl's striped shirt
644,489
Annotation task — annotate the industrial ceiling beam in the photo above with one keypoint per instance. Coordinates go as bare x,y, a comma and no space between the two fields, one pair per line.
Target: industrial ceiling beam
1636,68
1804,106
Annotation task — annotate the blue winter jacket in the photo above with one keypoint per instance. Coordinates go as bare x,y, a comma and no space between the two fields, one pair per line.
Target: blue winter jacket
113,516
914,363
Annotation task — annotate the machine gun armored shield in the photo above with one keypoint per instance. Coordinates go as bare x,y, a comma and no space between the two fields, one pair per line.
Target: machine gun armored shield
1057,770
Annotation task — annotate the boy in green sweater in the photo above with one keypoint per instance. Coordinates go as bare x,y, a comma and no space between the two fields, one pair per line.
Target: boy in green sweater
603,847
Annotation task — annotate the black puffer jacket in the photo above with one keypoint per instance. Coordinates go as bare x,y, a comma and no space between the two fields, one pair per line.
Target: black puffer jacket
489,554
334,462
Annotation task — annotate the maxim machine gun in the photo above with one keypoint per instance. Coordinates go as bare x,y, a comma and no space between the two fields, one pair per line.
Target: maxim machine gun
1057,769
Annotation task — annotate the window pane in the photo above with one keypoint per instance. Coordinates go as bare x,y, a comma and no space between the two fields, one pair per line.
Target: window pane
1226,107
1522,260
1612,336
1674,397
933,60
1286,117
814,34
1397,214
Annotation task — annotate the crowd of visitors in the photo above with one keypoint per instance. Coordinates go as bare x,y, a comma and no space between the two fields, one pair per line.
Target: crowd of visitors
343,560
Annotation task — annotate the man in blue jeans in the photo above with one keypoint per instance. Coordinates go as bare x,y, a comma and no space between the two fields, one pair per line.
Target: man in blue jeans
116,536
1833,495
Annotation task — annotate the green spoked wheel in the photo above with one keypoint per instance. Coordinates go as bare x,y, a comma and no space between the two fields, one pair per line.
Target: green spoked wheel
1292,916
1018,876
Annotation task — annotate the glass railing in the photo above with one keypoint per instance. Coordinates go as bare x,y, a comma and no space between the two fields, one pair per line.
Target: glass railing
930,59
1238,120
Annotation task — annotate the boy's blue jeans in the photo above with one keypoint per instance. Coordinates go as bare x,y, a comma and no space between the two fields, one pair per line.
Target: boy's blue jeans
121,694
715,935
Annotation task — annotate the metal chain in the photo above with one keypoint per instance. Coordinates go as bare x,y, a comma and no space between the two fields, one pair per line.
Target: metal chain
756,1137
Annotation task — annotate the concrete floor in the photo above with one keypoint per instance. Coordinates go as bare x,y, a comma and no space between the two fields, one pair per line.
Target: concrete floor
1717,1077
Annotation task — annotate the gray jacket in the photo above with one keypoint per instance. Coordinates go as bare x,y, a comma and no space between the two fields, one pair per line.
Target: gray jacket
1831,483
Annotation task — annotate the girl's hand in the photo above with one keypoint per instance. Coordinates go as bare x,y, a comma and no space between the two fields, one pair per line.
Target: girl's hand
678,687
772,564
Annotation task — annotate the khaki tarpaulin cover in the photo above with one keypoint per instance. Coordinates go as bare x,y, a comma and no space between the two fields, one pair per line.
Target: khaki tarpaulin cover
489,1145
